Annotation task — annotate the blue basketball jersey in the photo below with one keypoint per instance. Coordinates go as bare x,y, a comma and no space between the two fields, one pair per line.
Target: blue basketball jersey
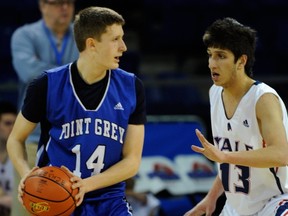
88,141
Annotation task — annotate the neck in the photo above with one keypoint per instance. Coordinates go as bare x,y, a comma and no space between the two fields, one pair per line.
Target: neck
89,72
239,88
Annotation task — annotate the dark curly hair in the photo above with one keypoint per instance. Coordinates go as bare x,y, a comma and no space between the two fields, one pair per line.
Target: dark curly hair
231,35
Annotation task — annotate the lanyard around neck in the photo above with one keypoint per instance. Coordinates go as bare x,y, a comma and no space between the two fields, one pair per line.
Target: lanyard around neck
59,55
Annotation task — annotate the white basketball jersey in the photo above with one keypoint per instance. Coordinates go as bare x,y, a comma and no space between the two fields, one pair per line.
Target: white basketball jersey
247,188
6,176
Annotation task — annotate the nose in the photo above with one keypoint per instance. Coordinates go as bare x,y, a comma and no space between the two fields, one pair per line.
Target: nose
123,46
211,63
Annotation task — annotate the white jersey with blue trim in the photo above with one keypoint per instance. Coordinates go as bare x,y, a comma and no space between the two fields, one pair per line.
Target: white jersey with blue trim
88,142
247,189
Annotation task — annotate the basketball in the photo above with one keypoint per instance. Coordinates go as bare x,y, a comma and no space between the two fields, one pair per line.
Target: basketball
48,192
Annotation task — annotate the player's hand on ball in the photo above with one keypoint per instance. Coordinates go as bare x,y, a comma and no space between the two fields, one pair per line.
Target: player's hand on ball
77,183
209,150
204,207
22,185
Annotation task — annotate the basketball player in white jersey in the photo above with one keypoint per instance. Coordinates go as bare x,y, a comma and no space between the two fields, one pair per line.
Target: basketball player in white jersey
249,128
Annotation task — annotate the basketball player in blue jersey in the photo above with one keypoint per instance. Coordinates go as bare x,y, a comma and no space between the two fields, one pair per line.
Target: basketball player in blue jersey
92,117
249,128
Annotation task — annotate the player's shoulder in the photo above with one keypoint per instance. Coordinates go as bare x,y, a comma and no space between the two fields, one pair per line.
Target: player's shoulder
264,94
59,69
123,72
262,88
119,73
42,79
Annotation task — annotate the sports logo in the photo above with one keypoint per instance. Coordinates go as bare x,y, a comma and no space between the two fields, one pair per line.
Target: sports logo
245,123
118,106
39,207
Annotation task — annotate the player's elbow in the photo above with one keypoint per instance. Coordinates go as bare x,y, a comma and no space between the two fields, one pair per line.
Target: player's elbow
282,157
134,167
284,160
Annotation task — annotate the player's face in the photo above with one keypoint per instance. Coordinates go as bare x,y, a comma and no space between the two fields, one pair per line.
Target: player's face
57,12
111,47
222,66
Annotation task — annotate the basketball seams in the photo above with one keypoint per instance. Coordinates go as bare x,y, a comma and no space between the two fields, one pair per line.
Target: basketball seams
69,192
67,210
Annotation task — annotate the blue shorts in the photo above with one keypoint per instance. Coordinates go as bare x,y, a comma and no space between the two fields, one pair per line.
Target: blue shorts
108,207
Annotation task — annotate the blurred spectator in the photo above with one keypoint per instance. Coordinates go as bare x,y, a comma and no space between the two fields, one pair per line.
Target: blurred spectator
8,113
143,204
36,47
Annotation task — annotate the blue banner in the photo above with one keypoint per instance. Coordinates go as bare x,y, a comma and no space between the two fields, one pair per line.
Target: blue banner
168,161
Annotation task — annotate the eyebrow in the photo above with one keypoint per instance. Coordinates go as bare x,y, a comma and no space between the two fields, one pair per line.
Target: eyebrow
221,51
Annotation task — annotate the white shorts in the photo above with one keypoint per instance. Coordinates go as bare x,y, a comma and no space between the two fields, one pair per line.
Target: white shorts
277,206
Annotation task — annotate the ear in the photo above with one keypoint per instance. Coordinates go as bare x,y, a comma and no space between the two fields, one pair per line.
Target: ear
90,43
242,61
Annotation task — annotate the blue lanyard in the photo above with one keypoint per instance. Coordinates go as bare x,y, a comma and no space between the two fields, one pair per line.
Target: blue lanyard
59,55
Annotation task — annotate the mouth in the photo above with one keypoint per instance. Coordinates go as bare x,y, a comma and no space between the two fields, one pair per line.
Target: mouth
214,74
117,58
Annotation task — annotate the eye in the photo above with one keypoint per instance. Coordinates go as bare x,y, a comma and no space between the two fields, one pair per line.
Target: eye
221,56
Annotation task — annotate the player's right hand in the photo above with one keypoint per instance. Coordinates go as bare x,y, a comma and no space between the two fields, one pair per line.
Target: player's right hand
21,185
205,207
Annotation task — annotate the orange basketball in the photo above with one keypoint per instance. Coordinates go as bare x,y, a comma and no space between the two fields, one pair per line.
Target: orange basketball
48,192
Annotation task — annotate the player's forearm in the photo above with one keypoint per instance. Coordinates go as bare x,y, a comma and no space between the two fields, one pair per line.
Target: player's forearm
216,190
18,156
115,174
272,156
16,144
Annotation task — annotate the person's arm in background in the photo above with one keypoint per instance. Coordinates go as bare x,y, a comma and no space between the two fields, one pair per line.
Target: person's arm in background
5,199
26,61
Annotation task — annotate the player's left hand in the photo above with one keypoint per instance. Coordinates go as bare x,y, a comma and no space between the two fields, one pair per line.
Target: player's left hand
77,183
209,150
